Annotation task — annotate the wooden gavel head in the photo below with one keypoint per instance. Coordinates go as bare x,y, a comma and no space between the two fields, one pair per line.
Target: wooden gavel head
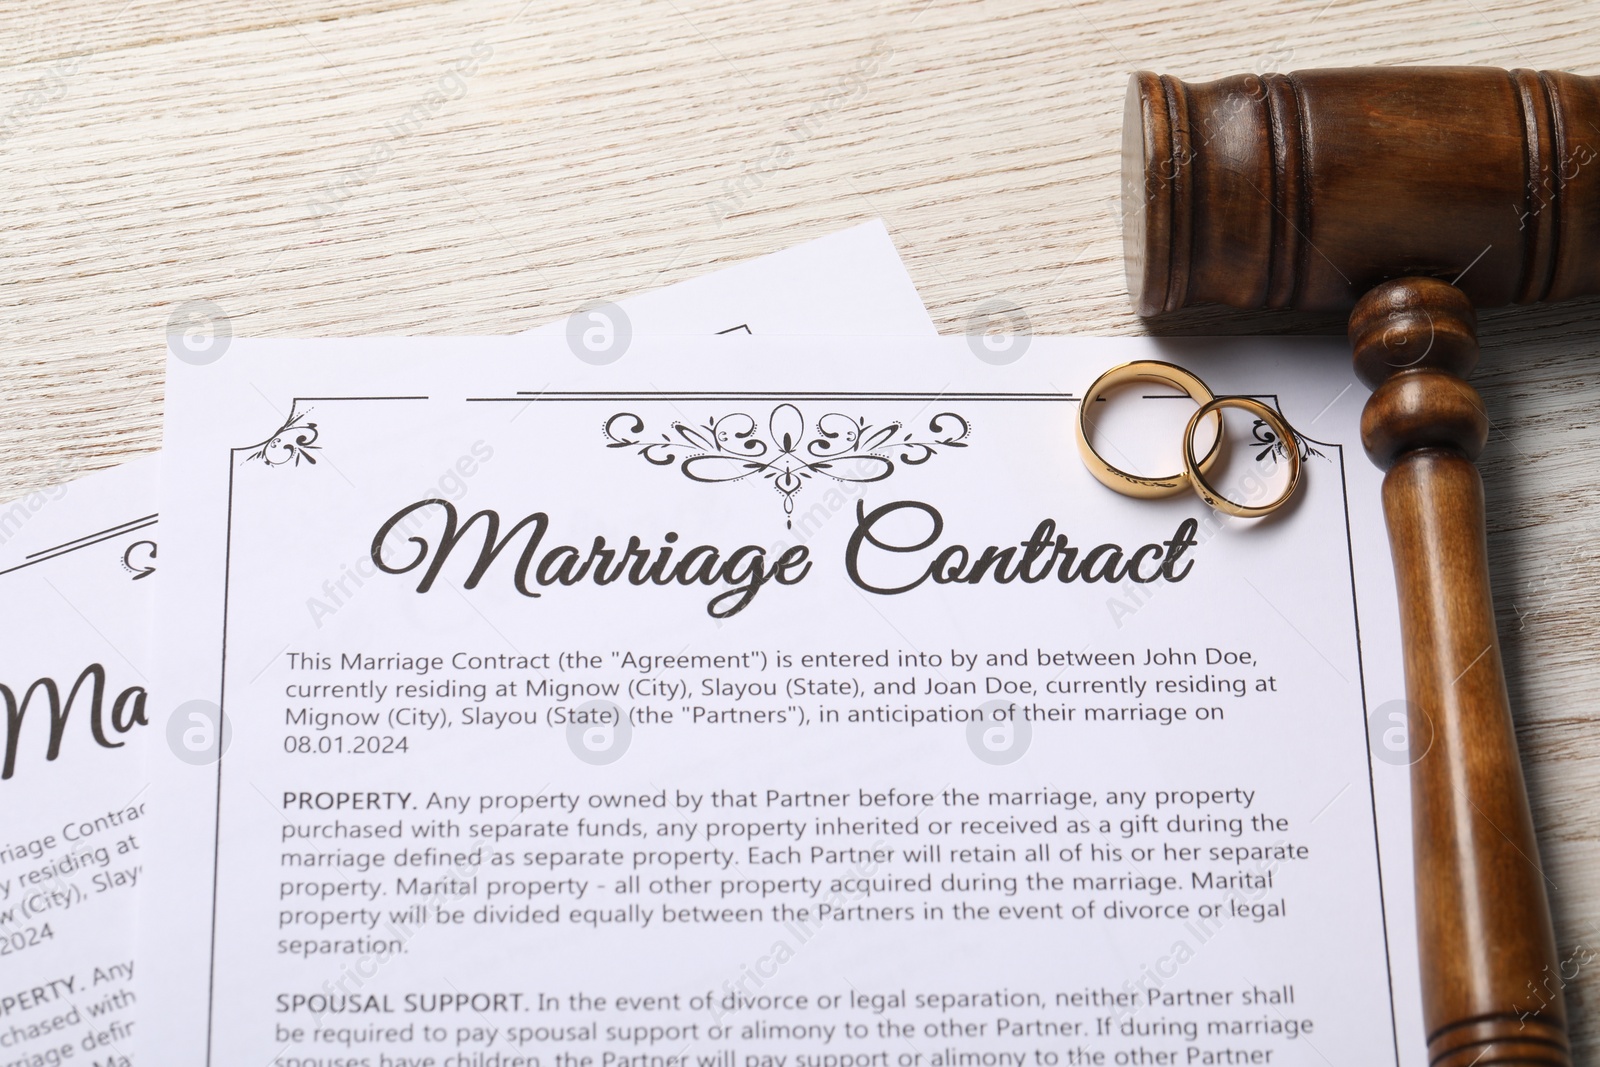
1306,190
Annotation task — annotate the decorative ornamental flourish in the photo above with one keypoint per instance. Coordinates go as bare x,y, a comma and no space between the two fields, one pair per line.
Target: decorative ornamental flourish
292,442
1271,444
789,454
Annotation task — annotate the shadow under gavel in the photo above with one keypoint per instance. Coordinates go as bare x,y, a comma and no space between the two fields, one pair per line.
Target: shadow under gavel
1410,195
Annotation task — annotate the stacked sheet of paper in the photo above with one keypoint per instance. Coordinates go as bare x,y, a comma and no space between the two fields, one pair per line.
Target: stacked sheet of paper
626,695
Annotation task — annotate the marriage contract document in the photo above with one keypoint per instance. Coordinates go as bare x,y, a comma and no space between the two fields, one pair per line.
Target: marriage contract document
765,702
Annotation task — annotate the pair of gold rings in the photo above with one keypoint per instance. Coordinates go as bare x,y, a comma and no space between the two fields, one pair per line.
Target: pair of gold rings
1195,468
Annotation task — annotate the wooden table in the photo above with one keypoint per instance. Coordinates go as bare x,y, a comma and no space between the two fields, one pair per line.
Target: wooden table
481,166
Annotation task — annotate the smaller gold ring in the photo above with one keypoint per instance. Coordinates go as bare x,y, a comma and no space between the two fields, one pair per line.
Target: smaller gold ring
1144,370
1196,472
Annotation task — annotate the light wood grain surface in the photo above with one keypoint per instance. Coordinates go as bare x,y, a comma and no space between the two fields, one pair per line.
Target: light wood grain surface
481,166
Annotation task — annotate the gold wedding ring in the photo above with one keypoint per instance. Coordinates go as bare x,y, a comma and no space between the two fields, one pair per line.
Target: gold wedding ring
1196,469
1148,370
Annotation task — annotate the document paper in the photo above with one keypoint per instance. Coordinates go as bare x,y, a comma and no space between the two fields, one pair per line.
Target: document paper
74,564
794,701
77,568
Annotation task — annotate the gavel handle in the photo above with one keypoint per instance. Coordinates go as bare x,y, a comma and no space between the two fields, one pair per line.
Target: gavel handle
1491,978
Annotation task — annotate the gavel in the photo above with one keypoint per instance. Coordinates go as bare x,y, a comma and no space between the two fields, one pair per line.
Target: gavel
1408,196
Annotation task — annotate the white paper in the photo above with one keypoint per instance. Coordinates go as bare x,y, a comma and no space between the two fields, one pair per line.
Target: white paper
596,848
77,563
850,282
67,907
